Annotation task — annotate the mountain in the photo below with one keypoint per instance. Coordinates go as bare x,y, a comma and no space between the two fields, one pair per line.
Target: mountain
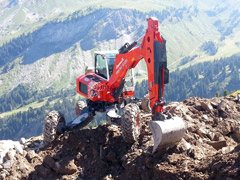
45,45
67,43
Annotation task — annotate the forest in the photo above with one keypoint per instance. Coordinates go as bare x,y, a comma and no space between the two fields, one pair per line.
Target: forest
203,80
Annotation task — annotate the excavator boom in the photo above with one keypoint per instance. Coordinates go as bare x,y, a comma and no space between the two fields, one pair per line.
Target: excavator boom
153,51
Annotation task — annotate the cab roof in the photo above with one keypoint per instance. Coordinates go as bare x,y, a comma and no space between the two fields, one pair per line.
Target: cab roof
108,54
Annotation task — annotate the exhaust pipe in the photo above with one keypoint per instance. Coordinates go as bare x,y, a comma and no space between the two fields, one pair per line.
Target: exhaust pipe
166,132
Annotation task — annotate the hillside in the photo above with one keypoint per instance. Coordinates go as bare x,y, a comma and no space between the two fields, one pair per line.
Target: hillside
209,149
35,57
24,108
45,45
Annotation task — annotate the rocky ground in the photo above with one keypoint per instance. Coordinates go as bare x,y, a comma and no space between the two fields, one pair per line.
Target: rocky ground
209,150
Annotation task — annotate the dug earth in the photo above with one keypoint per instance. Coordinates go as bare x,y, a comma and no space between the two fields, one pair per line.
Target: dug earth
209,150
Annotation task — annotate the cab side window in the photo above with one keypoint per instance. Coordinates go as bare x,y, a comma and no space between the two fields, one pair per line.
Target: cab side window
100,66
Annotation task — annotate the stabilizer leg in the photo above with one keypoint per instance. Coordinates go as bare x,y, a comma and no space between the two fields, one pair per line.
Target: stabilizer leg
82,120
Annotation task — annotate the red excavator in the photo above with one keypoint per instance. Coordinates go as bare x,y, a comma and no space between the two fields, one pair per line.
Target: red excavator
109,87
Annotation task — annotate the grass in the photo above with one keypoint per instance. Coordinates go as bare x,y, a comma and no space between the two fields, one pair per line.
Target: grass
19,17
25,108
35,105
235,93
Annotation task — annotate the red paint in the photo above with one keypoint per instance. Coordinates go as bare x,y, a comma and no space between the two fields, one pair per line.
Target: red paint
123,62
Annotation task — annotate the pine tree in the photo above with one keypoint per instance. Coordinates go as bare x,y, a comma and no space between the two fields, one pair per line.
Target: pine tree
225,93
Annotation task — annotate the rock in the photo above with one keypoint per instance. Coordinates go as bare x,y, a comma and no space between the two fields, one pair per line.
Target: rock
225,127
227,149
111,156
1,167
41,145
205,117
207,106
201,132
42,171
22,140
198,106
197,152
187,145
238,98
5,146
108,177
182,146
18,148
10,155
2,175
214,103
218,144
223,109
8,164
236,134
188,118
49,162
30,155
191,127
95,153
217,136
24,153
65,167
193,110
149,162
211,135
221,106
124,158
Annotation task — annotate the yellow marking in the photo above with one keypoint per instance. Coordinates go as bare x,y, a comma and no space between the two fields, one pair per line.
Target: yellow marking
133,59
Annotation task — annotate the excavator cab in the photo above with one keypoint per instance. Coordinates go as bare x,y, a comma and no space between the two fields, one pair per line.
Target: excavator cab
104,65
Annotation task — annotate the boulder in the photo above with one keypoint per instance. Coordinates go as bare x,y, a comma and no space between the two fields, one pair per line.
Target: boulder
111,156
236,134
65,167
218,144
6,145
10,155
30,155
42,171
49,162
207,106
8,164
22,140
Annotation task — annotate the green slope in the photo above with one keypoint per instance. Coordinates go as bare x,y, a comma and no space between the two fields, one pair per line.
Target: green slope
51,50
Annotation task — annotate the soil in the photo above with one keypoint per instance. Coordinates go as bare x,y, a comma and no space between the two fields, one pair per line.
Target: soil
210,149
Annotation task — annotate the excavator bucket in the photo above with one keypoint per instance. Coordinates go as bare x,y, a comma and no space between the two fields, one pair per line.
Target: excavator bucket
167,132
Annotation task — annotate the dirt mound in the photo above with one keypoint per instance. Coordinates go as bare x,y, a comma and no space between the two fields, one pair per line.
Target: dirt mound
209,150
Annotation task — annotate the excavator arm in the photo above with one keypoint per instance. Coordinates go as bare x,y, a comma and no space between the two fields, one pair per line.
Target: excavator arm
153,50
166,129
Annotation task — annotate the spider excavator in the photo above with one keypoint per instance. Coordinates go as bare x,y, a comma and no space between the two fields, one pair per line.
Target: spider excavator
109,87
